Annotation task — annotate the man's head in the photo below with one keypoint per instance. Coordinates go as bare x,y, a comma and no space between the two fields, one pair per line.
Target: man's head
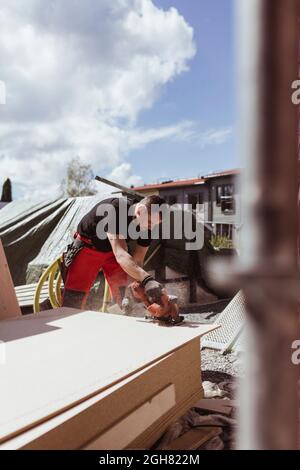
148,211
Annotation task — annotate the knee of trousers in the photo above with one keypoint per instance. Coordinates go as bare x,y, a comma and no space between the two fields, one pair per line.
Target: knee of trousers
73,298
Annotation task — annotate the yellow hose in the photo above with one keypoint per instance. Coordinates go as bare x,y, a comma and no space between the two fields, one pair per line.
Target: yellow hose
43,279
58,289
51,289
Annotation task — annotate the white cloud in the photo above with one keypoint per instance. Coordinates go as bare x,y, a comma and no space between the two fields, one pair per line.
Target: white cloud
215,136
180,131
190,132
123,174
77,76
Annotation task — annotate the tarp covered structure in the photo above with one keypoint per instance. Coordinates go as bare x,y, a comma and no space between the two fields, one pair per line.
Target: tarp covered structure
35,233
24,228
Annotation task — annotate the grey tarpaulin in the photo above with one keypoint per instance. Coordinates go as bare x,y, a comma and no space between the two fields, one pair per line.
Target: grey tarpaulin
24,228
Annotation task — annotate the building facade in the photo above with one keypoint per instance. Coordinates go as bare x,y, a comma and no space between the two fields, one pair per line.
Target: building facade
215,197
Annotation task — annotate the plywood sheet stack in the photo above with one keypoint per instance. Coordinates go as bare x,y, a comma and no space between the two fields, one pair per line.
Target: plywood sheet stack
86,380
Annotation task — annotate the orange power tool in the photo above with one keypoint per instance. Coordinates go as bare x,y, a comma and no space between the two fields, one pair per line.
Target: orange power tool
165,312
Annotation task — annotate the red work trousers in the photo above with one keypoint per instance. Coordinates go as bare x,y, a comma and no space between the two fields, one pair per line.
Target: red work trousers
85,267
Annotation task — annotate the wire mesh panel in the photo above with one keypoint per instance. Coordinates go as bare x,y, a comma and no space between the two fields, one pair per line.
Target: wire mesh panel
231,322
239,344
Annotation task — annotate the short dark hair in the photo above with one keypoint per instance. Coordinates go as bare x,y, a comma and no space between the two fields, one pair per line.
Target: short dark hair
148,201
158,202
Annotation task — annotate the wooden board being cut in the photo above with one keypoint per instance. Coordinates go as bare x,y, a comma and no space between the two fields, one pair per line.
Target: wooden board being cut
58,359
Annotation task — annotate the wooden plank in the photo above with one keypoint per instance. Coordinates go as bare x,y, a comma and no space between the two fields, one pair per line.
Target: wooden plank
215,405
218,401
155,432
9,307
25,287
193,439
25,294
29,302
81,425
28,295
31,291
29,288
74,355
135,423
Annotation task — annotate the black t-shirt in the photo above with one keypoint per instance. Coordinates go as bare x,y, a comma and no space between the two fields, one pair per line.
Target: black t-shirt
113,215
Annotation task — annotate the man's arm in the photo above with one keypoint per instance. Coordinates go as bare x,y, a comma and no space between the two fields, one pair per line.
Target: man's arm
152,288
139,254
129,263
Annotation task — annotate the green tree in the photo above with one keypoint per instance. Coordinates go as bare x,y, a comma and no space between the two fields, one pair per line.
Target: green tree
78,180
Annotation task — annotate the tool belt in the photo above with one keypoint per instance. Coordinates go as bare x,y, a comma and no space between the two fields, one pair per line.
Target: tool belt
72,250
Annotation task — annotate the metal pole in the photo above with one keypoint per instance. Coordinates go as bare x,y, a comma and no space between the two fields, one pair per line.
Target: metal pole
124,189
268,265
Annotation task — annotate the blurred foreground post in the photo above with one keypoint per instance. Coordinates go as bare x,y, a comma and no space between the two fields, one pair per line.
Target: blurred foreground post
268,267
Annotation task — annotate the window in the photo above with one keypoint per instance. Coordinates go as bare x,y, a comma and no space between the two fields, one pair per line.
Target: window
224,197
228,190
171,200
219,194
194,199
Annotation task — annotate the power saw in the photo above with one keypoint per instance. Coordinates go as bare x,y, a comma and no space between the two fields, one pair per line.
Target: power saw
164,312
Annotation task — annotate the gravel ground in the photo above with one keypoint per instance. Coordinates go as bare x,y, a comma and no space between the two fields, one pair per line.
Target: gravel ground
229,363
212,360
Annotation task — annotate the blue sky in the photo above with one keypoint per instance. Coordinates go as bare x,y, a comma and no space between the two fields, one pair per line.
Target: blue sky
107,81
205,94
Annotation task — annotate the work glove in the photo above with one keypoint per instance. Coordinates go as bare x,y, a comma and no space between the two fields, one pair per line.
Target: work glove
153,289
